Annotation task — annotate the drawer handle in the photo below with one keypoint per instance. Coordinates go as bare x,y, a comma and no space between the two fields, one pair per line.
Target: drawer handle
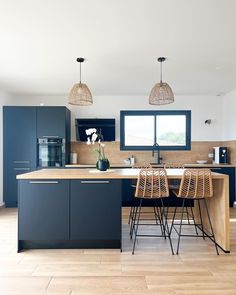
95,181
44,182
50,136
21,162
23,169
216,168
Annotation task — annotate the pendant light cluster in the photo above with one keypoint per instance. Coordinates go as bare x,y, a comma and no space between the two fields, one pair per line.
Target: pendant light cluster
80,94
161,92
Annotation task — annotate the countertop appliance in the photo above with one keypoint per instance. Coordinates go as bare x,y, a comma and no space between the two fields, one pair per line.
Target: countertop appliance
51,152
105,126
220,155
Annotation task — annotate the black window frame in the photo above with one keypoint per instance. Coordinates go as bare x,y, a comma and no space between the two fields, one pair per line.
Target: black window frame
155,113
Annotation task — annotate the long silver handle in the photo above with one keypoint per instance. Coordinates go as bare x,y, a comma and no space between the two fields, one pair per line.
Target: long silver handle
50,136
94,181
216,168
44,182
23,169
21,162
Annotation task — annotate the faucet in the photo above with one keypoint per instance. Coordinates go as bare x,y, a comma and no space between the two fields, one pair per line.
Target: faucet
156,147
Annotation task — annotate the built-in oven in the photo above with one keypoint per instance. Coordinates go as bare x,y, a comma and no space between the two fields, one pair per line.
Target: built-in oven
51,152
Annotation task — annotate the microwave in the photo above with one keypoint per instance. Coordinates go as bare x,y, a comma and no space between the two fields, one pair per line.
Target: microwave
220,155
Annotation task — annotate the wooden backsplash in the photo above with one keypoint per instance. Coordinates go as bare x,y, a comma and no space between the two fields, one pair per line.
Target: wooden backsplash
199,151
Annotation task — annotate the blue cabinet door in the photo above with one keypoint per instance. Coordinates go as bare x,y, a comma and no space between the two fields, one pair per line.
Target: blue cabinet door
231,172
19,135
51,122
44,210
95,210
19,148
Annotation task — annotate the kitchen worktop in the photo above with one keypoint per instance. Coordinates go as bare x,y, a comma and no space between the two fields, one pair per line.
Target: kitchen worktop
119,165
96,174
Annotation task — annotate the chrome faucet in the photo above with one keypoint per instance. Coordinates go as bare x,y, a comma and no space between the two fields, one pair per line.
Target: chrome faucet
156,147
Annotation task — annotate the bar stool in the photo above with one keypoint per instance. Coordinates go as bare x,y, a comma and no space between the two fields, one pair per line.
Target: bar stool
133,185
174,185
152,184
196,185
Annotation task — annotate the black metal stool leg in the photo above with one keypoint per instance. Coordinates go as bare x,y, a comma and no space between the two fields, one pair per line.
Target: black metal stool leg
212,232
200,214
133,222
193,219
173,219
167,227
130,213
180,228
187,214
136,228
155,214
160,219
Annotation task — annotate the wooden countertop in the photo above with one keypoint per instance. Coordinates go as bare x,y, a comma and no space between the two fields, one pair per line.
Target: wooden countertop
96,174
154,165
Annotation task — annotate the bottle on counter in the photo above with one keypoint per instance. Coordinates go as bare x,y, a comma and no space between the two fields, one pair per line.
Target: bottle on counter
132,160
73,158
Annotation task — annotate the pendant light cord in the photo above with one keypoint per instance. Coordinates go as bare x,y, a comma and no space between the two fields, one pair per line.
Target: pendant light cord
161,71
80,72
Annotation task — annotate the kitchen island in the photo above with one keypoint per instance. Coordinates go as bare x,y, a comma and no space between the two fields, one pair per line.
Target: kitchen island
81,208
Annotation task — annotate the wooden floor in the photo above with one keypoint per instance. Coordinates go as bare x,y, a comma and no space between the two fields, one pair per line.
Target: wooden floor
152,270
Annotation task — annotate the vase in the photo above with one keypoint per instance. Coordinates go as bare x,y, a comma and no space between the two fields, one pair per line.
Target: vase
103,164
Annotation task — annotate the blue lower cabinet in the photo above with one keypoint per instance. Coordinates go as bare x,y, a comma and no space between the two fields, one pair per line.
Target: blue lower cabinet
43,210
10,184
231,172
95,213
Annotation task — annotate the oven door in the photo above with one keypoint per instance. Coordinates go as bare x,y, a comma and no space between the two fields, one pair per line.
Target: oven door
51,154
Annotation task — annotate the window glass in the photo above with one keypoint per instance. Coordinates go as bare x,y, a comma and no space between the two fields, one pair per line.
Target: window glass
171,130
139,130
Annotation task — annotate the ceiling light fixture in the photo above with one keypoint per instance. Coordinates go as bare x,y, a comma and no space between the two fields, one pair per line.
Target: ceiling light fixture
80,93
161,93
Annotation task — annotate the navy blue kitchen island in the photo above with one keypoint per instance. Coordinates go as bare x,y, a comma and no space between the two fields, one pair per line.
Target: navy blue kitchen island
81,208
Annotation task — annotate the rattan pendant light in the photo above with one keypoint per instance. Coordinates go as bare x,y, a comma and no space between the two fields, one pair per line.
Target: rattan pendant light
80,93
161,93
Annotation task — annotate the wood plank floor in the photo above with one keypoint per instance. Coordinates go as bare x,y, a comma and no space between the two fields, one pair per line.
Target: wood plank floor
197,270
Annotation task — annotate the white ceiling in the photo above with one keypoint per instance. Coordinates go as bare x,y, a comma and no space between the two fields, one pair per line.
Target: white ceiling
121,39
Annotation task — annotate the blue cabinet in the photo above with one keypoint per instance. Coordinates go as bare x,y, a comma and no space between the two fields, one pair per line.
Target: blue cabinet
19,148
69,213
231,172
21,128
95,208
43,210
51,122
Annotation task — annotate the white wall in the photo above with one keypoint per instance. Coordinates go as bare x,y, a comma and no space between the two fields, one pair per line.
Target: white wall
229,116
202,107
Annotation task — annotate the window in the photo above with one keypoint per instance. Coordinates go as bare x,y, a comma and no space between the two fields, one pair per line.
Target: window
140,130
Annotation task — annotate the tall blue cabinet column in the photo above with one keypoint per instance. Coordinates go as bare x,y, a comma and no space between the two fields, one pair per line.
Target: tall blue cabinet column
19,148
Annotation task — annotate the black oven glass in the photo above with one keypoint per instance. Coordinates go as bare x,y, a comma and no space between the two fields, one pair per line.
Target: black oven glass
51,152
